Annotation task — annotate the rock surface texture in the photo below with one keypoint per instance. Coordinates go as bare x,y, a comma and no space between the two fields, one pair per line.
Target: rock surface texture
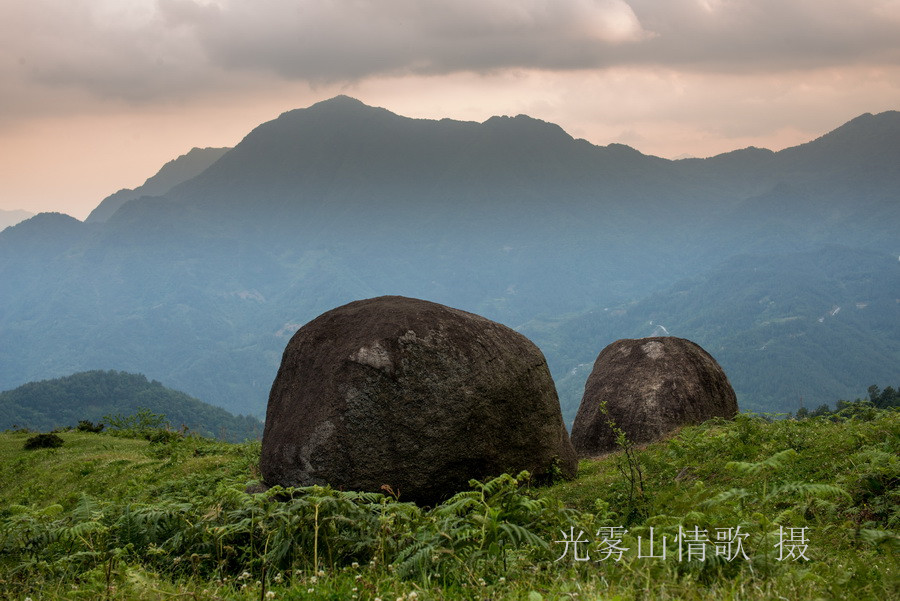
413,395
651,386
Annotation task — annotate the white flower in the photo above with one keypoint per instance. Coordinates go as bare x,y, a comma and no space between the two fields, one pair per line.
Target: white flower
412,595
310,591
313,579
355,564
270,595
277,577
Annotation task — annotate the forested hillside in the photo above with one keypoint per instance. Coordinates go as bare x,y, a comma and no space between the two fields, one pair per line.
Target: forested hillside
94,395
790,330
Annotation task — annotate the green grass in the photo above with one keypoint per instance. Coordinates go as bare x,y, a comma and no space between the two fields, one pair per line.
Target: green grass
115,468
106,517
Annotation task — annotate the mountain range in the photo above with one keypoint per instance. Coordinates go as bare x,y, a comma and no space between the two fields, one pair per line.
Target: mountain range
200,282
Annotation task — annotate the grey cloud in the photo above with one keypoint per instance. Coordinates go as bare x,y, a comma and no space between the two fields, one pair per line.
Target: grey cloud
144,50
351,40
766,35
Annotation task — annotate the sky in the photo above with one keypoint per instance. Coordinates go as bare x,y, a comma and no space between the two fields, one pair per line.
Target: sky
96,95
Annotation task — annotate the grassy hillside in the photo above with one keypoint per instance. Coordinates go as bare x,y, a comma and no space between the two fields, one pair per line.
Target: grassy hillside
105,517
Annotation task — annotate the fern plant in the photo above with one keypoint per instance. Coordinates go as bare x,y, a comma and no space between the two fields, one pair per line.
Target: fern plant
477,531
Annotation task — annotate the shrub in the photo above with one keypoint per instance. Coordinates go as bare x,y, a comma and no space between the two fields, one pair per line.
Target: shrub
161,436
142,424
43,441
88,426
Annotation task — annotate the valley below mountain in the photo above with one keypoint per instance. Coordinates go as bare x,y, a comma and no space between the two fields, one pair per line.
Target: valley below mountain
783,265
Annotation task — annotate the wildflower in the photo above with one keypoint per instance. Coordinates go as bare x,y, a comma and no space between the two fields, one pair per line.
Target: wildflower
270,595
278,577
321,574
244,576
243,586
412,595
355,564
310,591
313,579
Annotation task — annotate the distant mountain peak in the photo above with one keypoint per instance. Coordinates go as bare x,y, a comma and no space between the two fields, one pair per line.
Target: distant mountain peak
528,126
50,217
869,124
45,233
174,172
341,100
339,106
866,139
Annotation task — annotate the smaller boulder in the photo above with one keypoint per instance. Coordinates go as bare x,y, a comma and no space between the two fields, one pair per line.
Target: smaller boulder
650,386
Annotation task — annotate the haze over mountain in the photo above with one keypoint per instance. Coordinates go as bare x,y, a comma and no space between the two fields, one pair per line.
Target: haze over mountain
172,173
511,218
8,218
795,329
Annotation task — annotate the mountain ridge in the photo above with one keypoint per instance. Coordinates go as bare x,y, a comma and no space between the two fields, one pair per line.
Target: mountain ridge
515,220
174,172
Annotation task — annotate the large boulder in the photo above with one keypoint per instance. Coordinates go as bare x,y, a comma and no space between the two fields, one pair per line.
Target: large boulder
650,387
413,395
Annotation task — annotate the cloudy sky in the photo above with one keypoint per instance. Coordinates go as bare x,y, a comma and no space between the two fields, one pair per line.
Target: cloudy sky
95,95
